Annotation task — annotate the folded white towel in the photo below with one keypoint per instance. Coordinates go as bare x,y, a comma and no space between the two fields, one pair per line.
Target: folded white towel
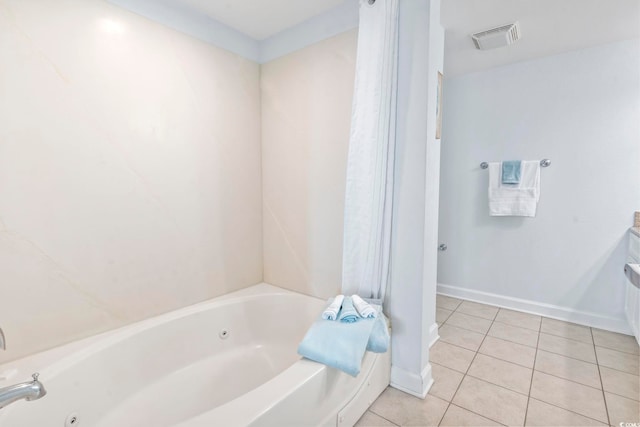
514,199
363,309
331,312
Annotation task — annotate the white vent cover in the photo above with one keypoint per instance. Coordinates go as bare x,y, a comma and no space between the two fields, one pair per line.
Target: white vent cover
497,37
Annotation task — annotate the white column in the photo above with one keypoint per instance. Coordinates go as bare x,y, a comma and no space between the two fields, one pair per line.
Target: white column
414,246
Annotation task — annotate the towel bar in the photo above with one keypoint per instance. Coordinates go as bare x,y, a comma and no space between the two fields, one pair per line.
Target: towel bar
544,163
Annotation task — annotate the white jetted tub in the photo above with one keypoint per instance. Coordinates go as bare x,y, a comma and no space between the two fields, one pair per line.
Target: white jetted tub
230,361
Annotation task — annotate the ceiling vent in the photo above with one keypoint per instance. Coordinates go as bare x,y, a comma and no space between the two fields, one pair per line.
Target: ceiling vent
497,37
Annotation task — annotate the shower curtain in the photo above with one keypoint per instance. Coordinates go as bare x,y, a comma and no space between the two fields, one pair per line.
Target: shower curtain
370,165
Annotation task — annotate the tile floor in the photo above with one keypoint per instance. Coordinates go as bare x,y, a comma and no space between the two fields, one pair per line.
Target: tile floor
494,366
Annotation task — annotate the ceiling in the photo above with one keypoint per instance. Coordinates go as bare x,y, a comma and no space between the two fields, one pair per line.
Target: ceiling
548,27
260,19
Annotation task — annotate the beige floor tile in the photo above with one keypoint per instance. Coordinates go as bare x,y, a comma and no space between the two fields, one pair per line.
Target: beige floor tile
498,372
566,330
451,356
517,318
459,417
566,394
471,323
448,303
479,310
622,410
515,334
543,414
406,410
369,419
491,401
570,369
446,381
620,383
442,315
508,351
460,337
626,362
619,342
567,347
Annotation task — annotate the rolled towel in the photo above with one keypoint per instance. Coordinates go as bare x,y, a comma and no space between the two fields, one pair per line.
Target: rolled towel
364,309
331,312
348,314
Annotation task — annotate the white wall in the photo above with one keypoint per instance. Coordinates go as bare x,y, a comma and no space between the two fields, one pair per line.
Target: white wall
306,117
129,171
581,110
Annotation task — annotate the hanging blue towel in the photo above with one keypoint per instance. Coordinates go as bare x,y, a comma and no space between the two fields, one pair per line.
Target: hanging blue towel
348,313
511,172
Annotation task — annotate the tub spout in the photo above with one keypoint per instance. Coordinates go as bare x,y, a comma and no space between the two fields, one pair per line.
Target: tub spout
30,390
3,342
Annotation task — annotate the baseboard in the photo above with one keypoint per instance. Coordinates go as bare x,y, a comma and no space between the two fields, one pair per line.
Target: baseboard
413,384
433,334
556,312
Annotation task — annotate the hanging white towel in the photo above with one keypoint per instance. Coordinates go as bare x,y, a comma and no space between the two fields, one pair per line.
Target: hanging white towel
370,164
514,199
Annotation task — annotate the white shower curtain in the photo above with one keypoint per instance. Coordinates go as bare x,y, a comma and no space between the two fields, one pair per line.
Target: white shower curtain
370,166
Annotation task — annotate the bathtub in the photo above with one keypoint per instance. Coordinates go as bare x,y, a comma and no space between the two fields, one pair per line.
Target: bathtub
229,361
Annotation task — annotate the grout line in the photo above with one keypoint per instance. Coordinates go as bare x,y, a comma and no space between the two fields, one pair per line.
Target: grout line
618,370
568,410
604,398
567,379
567,338
375,413
514,342
517,326
448,316
473,412
620,395
498,385
533,370
484,354
466,372
473,315
569,357
616,350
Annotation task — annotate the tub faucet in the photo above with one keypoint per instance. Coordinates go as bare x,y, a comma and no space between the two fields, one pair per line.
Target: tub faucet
30,390
3,342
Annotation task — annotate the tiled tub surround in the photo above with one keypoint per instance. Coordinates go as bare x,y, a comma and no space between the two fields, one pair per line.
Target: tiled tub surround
494,366
130,171
306,115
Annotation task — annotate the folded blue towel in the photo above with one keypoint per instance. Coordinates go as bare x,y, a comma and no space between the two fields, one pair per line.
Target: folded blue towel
379,338
342,345
511,172
348,313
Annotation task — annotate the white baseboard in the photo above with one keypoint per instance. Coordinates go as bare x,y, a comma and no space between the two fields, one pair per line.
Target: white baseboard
433,334
414,384
556,312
